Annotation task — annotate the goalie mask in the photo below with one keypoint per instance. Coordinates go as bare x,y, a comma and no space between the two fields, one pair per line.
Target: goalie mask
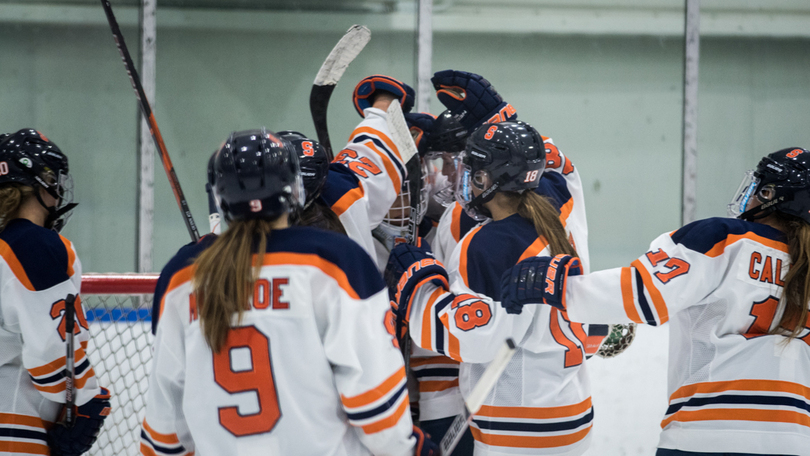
398,225
313,161
780,182
256,175
501,157
28,158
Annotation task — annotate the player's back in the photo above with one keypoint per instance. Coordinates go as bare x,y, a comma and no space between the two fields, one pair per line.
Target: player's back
310,369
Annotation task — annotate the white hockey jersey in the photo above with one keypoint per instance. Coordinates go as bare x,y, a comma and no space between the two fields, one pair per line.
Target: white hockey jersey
439,396
313,368
362,193
733,387
541,404
38,270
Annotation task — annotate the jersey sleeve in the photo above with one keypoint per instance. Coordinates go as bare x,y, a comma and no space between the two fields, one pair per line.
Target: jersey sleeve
374,158
164,428
367,365
668,278
34,303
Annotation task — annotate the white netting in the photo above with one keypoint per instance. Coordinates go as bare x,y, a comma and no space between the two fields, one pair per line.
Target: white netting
120,350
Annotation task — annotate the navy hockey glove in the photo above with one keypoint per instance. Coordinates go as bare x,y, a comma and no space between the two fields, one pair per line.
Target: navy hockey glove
79,438
424,446
472,98
421,127
363,96
411,267
537,280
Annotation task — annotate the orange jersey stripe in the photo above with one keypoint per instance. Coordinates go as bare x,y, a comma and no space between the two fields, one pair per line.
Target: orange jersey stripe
741,385
24,448
169,439
738,414
521,441
147,450
453,349
14,264
542,413
179,278
71,255
657,299
59,387
720,247
388,422
377,393
58,364
310,259
627,296
24,420
432,386
418,362
382,136
455,224
462,266
389,167
537,246
345,202
565,211
427,319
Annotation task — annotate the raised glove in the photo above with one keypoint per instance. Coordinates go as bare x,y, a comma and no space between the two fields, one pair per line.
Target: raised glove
80,437
537,280
363,96
424,446
421,126
471,98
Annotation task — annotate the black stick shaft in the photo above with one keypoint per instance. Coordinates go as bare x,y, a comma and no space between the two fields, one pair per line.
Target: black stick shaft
318,104
150,120
70,371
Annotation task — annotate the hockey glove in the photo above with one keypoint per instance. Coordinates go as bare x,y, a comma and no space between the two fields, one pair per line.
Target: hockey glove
424,446
537,280
364,93
471,98
412,267
421,127
79,438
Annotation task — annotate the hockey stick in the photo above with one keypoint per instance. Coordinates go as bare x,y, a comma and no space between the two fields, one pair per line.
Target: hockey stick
476,399
214,219
150,120
70,371
328,76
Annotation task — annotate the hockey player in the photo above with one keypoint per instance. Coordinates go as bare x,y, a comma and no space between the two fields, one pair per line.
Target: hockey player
281,325
40,270
541,404
736,293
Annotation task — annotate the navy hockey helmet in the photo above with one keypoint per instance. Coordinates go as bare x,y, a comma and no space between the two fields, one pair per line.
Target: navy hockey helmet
448,134
781,182
256,175
313,160
501,157
29,158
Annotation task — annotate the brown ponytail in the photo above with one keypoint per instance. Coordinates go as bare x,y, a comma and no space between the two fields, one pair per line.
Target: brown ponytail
546,220
796,292
224,278
11,198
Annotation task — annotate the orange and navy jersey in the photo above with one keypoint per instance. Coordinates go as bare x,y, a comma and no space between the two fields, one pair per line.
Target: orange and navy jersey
314,355
38,270
465,323
367,180
718,282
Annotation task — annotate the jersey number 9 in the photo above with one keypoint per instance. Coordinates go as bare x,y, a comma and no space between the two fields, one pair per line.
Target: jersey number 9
258,379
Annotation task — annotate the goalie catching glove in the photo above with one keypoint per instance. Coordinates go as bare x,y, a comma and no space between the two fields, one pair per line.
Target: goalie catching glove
410,267
79,438
537,280
471,98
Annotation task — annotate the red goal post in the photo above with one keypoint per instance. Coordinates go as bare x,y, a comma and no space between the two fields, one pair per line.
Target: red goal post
118,307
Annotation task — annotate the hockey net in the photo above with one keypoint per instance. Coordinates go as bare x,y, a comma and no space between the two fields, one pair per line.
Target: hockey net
118,308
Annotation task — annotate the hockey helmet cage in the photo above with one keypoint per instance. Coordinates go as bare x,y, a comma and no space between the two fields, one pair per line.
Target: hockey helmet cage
256,175
363,95
313,160
781,182
501,157
29,158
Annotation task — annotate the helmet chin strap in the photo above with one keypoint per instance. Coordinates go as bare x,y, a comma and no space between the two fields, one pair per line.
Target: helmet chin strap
762,211
54,214
477,203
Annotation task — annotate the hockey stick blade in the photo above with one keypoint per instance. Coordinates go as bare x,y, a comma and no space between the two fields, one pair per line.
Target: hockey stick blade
400,133
344,52
476,398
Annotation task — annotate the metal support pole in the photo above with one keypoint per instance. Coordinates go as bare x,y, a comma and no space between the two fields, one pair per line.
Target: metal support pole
690,101
424,56
146,157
